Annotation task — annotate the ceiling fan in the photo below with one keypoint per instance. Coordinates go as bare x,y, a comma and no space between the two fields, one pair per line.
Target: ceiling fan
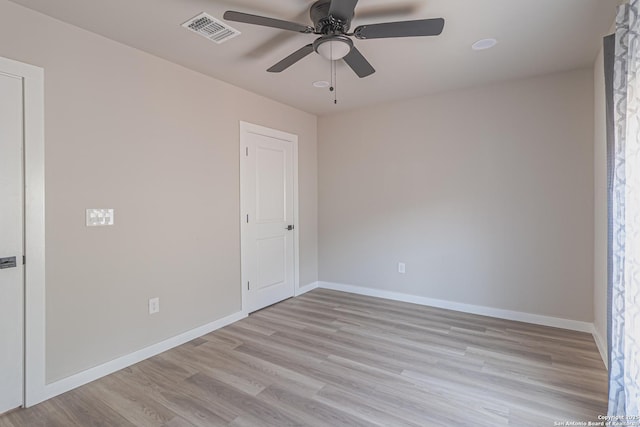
332,20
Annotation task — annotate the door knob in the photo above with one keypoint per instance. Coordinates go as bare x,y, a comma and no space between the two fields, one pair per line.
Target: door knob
290,227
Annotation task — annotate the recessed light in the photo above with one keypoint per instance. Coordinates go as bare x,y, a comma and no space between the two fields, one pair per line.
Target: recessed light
484,44
321,83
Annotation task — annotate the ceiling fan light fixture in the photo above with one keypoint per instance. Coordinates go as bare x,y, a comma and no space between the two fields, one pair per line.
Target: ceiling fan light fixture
333,47
332,20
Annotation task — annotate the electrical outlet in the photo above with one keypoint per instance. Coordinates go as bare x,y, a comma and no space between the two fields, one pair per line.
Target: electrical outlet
154,305
401,268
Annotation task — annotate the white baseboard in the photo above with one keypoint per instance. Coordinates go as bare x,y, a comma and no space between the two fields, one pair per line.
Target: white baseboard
84,377
306,288
499,313
69,383
602,346
58,387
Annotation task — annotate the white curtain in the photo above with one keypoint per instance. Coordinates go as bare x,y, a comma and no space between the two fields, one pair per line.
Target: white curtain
624,327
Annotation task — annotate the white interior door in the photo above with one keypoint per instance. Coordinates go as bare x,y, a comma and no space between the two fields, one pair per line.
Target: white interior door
11,243
268,223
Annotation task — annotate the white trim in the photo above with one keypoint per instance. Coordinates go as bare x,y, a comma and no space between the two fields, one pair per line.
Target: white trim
499,313
33,80
246,128
602,346
84,377
306,288
296,221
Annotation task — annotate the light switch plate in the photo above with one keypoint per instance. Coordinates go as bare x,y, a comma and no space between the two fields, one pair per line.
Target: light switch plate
99,217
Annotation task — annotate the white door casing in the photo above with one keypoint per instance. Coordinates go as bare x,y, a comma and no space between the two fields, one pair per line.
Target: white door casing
268,199
11,243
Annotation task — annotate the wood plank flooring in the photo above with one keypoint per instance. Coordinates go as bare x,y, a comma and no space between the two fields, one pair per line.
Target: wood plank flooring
335,359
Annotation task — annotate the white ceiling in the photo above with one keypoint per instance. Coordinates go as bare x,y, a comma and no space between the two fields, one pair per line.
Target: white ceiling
534,37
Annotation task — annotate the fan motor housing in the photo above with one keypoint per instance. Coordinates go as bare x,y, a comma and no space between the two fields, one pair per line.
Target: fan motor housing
324,23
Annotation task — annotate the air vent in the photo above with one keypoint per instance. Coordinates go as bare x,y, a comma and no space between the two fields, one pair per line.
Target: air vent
211,28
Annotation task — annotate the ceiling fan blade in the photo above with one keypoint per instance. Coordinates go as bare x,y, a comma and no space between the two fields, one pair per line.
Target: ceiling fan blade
230,15
343,9
358,63
291,59
422,27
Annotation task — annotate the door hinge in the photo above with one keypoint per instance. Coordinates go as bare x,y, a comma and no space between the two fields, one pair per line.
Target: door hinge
24,259
246,149
248,285
247,218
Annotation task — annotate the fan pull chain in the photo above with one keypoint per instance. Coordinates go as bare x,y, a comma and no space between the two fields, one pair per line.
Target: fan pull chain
334,79
335,82
331,71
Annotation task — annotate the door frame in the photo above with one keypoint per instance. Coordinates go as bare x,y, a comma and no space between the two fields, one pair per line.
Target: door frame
250,128
34,226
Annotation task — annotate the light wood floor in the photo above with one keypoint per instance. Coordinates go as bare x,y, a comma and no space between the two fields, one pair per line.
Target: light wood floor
335,359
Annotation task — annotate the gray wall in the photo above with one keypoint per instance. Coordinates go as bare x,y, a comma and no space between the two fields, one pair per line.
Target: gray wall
159,144
485,194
